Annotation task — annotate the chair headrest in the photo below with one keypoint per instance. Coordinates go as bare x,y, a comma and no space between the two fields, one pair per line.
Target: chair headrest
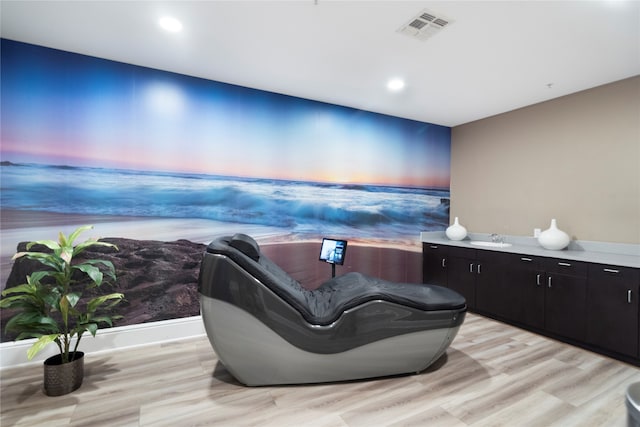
246,245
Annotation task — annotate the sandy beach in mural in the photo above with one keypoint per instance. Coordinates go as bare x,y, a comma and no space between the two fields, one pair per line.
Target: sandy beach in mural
22,226
297,255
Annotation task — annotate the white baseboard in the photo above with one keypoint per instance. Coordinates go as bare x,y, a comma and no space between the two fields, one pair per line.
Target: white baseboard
14,353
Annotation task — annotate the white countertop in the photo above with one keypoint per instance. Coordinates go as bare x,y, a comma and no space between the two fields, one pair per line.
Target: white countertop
619,254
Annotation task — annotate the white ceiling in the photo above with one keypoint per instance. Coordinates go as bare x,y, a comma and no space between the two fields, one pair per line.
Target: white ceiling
495,56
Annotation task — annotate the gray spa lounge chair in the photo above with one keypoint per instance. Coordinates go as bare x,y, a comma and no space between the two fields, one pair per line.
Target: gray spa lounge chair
267,329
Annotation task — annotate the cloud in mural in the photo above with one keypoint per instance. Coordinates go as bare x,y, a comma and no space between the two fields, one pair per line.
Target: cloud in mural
166,100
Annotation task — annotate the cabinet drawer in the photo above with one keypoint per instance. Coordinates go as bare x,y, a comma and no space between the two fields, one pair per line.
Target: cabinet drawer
493,257
434,248
524,261
607,272
462,252
565,266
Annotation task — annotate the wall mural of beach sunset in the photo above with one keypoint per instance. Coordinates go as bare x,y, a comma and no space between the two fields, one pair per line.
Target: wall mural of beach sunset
149,155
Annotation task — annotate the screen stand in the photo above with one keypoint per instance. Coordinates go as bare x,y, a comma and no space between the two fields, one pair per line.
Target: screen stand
333,270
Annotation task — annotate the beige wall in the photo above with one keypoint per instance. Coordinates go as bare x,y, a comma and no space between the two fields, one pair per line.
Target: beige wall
574,158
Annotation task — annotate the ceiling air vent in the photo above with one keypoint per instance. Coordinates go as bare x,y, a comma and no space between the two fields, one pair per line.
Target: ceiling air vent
417,24
425,25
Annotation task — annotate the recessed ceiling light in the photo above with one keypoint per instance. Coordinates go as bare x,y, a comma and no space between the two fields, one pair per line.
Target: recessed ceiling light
170,24
395,85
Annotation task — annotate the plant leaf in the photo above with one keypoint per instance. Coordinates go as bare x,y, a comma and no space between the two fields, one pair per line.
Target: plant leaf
93,272
108,267
42,342
16,301
103,319
24,288
64,310
62,239
92,242
49,260
51,244
92,328
96,302
73,298
66,254
18,255
73,236
31,323
36,276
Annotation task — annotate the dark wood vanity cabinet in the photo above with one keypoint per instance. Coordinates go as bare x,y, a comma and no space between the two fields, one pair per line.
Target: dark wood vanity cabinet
593,305
612,308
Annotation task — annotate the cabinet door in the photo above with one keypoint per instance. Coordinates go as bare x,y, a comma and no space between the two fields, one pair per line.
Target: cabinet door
566,299
495,295
527,281
434,264
612,302
462,278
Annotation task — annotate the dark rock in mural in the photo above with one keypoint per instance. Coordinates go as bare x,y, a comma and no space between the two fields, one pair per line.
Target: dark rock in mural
446,203
159,279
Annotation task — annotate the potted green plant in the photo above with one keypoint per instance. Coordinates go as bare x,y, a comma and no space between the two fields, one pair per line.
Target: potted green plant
60,303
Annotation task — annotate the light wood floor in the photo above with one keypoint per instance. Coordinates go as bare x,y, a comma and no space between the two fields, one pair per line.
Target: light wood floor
493,375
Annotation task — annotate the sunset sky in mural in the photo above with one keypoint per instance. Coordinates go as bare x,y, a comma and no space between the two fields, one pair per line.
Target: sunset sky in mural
107,114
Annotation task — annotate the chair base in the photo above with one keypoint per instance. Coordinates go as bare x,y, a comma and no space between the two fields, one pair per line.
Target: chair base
256,355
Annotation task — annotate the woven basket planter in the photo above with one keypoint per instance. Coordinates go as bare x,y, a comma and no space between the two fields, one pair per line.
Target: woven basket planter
63,378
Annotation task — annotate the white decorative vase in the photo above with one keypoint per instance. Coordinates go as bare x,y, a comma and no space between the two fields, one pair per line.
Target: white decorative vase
554,238
456,231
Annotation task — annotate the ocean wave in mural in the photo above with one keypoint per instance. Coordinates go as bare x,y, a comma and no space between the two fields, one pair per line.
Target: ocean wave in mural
298,207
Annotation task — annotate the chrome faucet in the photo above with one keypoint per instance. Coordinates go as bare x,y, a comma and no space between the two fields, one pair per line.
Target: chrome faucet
496,238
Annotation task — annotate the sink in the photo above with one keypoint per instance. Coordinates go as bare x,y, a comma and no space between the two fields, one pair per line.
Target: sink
490,244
